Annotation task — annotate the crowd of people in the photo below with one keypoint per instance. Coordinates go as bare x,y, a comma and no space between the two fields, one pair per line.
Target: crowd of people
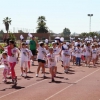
79,52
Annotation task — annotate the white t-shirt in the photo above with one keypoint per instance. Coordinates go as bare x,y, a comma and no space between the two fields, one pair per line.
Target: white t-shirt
52,62
98,51
13,57
41,53
64,53
78,52
5,62
94,53
30,55
88,51
24,54
56,50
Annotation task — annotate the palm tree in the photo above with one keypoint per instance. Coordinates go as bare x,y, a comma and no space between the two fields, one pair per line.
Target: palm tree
41,19
7,22
42,28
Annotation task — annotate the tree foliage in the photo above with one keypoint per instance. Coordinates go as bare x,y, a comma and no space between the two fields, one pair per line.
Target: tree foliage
42,28
1,32
66,32
12,36
91,34
7,22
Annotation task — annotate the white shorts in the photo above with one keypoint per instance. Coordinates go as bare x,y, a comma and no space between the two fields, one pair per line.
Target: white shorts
24,64
52,64
66,62
94,57
57,58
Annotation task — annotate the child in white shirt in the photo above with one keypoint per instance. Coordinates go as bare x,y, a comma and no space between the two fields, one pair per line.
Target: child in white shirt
41,56
51,63
56,51
94,55
88,54
29,58
24,58
5,62
66,58
78,55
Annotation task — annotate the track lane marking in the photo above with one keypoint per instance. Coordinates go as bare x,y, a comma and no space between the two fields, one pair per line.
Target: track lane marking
27,86
72,84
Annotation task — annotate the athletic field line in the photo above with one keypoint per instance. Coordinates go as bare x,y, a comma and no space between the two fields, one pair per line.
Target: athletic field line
27,87
71,84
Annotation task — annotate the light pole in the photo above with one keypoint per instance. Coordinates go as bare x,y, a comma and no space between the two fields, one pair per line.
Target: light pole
90,15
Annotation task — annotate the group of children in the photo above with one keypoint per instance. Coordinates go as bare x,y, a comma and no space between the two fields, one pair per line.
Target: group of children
48,56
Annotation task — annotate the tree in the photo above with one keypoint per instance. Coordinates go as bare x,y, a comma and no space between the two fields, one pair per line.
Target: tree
1,32
12,36
66,32
92,34
41,28
7,22
84,34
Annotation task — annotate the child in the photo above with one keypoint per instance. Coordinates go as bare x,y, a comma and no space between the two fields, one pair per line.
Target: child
5,62
78,55
51,63
13,55
41,59
88,54
56,51
66,58
29,58
24,58
94,55
73,54
83,53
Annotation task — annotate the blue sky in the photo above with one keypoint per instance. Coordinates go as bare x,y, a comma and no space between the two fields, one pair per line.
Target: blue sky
59,14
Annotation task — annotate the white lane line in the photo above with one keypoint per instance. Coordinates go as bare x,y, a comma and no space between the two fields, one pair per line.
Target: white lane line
26,87
71,85
21,89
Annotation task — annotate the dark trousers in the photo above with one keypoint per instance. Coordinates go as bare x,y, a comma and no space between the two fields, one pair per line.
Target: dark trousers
78,61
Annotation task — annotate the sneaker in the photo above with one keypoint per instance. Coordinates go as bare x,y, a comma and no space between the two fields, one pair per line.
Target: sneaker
66,71
44,76
4,80
25,76
32,63
53,80
22,75
36,75
14,81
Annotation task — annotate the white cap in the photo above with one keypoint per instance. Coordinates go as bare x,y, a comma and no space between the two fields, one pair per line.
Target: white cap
65,46
67,43
27,41
88,41
55,41
76,43
29,34
78,38
62,39
40,42
57,37
46,40
21,37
